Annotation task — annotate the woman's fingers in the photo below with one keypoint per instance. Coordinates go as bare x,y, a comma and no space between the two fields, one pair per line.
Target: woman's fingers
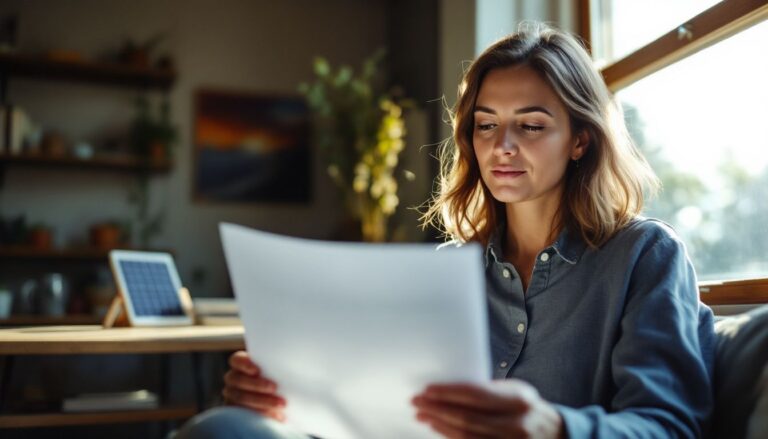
257,401
249,383
458,419
242,362
246,387
476,397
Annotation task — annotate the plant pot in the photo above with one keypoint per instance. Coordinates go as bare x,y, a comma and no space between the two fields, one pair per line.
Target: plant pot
41,239
158,152
106,236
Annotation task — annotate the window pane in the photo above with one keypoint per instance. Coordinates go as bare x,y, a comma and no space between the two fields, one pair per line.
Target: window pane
628,25
703,125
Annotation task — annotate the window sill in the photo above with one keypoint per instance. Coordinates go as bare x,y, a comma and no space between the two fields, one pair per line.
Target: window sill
734,292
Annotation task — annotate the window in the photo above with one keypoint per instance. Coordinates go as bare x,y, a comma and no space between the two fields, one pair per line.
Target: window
628,25
694,93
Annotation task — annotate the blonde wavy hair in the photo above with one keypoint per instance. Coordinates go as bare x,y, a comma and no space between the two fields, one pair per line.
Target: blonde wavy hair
601,195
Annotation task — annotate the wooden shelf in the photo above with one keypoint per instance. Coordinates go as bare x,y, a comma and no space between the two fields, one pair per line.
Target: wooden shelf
29,66
73,254
118,163
22,252
36,320
93,418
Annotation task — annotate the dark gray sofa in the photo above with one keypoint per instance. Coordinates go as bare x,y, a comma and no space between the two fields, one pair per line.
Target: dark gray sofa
741,376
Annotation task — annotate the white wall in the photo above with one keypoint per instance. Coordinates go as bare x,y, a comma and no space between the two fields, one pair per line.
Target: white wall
467,27
497,18
245,45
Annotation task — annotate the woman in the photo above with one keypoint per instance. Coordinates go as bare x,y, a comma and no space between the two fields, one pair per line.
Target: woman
596,326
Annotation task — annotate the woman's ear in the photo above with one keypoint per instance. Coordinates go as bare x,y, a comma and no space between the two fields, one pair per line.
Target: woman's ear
580,145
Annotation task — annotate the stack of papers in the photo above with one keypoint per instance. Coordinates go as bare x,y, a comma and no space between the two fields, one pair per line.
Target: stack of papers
352,331
216,311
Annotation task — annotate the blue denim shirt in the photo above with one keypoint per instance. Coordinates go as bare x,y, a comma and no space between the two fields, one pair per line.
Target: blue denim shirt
616,337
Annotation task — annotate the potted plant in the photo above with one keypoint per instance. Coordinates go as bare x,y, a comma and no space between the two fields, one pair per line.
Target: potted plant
152,137
40,236
108,235
360,132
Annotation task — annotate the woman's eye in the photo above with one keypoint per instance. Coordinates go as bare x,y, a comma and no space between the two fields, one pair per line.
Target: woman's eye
532,128
486,126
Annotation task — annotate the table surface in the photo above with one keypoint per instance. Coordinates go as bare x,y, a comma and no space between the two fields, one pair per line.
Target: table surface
93,339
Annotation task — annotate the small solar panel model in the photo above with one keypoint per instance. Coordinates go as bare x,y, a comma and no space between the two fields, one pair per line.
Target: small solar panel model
149,292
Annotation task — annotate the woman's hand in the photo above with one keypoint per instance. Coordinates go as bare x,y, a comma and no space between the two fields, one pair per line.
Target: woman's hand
245,386
508,409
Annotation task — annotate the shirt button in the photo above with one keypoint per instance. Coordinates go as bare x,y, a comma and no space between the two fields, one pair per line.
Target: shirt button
503,364
505,273
521,328
544,257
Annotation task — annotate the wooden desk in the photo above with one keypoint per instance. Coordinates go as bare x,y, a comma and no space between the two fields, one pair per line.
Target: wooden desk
73,340
92,339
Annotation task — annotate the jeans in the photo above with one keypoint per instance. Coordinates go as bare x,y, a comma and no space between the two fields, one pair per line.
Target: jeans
236,423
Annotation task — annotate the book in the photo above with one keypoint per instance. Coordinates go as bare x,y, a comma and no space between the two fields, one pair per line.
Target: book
215,306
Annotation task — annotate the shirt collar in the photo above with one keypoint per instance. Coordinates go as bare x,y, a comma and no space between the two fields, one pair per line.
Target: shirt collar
569,246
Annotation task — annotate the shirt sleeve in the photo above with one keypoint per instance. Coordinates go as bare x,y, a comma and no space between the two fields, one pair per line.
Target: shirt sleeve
662,360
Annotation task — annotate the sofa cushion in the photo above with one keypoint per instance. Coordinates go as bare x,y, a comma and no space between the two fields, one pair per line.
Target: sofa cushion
758,422
740,360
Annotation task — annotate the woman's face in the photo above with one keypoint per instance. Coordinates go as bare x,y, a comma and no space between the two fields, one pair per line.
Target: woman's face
522,136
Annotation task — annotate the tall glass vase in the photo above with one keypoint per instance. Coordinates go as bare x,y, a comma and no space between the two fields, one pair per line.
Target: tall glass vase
374,225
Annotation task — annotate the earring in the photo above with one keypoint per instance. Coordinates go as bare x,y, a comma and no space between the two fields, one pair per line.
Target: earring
577,163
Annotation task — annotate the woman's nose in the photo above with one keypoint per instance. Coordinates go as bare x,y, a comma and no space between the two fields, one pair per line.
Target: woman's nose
507,143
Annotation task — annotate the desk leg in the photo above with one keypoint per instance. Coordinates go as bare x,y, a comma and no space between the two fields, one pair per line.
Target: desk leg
198,371
5,380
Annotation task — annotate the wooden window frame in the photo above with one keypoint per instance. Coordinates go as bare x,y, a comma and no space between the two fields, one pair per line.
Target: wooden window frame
709,27
734,292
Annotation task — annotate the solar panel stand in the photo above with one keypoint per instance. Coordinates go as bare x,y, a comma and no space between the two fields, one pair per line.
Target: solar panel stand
116,314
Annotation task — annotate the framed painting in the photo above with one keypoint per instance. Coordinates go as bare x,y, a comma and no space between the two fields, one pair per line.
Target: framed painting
251,148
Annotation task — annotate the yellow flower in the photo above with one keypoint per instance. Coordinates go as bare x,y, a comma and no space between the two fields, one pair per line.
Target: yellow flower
360,184
391,160
390,184
389,203
362,170
377,188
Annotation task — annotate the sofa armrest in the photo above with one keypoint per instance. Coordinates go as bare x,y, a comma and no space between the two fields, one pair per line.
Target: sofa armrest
740,361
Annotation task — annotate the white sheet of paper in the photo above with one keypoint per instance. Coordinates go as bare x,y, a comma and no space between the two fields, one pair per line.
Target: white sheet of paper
352,331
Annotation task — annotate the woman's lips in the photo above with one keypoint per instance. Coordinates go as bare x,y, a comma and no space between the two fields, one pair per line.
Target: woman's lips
498,173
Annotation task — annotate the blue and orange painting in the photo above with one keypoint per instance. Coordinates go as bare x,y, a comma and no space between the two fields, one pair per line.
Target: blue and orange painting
251,148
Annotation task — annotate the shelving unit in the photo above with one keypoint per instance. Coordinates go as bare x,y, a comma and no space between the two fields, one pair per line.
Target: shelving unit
93,340
30,66
83,259
111,74
70,254
95,418
104,74
117,163
37,320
